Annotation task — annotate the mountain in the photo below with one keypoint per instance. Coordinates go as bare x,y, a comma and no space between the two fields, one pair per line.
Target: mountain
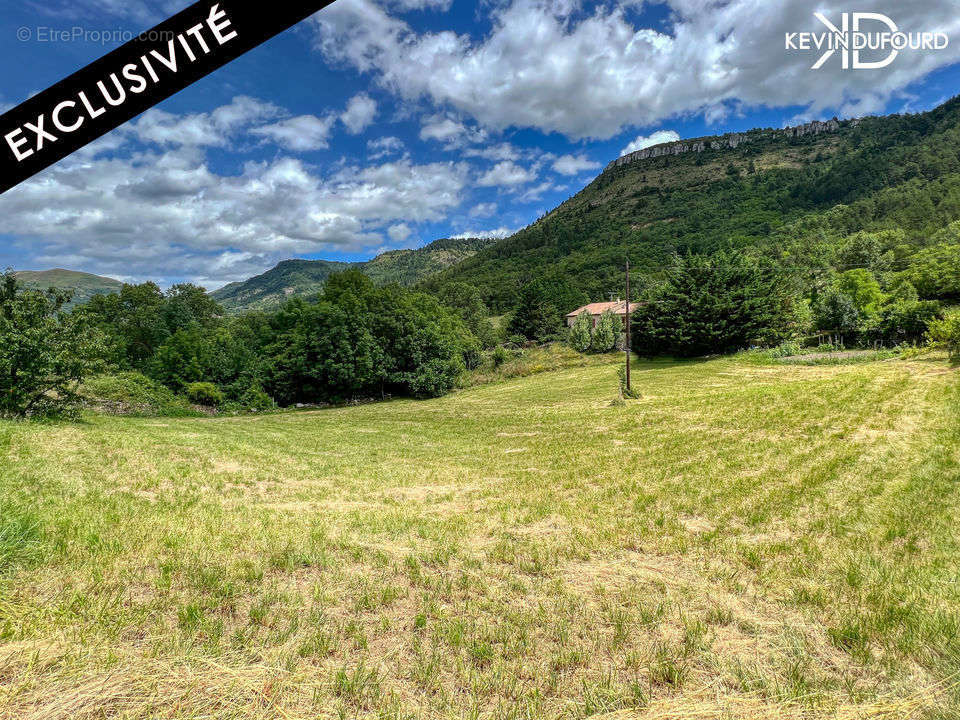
876,192
83,285
307,277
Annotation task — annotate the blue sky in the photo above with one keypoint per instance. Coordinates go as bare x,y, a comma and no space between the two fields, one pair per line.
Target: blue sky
380,124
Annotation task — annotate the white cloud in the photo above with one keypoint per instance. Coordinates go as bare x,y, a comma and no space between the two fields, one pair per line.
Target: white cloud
574,164
300,134
645,141
360,113
166,214
213,129
442,129
506,173
592,74
399,233
483,210
533,194
384,147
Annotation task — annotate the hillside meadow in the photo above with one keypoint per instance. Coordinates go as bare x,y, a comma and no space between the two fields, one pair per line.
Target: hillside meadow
746,540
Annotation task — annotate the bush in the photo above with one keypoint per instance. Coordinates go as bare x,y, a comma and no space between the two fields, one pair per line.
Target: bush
580,333
256,400
607,332
945,333
131,393
500,356
206,394
785,349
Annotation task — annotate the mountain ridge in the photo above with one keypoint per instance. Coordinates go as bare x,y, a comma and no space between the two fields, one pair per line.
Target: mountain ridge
297,277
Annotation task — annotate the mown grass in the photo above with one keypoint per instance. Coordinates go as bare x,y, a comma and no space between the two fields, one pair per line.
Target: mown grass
743,541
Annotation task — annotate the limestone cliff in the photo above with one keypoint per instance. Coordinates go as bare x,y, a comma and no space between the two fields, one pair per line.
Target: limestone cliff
726,142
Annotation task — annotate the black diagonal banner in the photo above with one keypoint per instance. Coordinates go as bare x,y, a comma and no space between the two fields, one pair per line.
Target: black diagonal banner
116,88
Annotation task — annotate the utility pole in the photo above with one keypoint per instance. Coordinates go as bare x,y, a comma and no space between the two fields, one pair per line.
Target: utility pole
627,323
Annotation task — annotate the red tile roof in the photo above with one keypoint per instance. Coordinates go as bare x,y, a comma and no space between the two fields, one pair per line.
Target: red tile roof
617,308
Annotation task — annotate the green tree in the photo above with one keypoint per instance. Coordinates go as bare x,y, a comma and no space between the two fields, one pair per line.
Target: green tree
836,312
607,332
715,304
580,333
862,288
45,351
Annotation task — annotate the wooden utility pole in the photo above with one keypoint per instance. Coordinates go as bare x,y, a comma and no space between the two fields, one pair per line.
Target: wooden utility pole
627,323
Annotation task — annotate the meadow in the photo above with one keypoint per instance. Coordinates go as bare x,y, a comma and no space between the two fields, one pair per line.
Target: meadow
745,540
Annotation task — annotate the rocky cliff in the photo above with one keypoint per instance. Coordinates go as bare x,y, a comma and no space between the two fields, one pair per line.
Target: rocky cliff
726,142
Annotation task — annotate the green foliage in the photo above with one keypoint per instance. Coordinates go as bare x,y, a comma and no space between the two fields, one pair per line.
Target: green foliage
607,332
541,306
945,333
862,288
935,271
45,352
132,393
580,334
204,393
714,304
358,340
499,356
836,312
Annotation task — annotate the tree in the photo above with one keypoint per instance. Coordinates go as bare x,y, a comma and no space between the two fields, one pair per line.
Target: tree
607,332
580,333
862,288
836,312
45,351
715,304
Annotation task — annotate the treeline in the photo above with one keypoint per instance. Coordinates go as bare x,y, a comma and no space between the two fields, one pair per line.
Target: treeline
352,341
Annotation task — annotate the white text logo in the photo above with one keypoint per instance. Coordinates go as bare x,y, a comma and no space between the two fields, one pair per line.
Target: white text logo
863,33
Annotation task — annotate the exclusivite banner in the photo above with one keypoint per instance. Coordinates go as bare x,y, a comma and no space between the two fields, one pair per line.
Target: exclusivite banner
130,80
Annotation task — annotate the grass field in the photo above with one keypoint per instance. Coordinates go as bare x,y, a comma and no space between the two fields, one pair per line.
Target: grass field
744,541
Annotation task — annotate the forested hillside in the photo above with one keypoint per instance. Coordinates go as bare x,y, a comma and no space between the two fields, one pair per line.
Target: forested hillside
877,194
303,278
82,286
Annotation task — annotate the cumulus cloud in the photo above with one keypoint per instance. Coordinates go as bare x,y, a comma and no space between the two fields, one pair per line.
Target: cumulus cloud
167,215
507,174
592,74
645,141
212,129
442,129
574,164
300,134
360,113
399,233
483,210
384,147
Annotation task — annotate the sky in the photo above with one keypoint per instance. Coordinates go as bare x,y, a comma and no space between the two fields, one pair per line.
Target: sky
385,124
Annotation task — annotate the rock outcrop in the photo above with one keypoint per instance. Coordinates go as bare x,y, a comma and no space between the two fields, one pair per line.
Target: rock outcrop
725,142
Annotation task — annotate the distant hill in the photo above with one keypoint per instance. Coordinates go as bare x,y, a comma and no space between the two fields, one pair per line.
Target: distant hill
83,285
307,277
824,197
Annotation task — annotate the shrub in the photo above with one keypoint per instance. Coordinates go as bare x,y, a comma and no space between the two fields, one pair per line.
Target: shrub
580,333
134,394
607,332
256,400
785,349
500,356
945,333
206,394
